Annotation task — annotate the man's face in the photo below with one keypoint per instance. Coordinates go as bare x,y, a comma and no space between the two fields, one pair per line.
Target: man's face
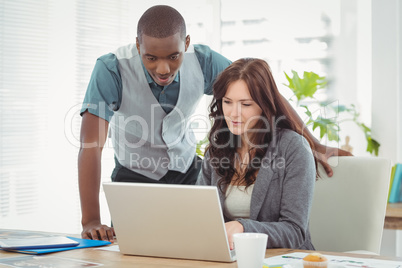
162,57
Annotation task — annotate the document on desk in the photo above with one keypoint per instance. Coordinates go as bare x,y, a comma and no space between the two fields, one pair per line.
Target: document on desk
294,260
40,261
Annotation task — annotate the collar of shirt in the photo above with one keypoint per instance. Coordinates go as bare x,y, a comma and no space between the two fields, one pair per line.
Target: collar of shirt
151,81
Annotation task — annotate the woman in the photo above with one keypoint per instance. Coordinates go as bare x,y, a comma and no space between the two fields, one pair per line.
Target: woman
257,157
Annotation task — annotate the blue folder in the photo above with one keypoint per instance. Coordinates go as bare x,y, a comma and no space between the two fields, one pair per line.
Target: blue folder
84,243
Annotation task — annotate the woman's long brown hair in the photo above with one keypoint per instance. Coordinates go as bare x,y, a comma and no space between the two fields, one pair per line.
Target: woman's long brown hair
275,115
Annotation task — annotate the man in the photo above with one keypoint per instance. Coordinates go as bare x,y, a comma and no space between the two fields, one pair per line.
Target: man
146,94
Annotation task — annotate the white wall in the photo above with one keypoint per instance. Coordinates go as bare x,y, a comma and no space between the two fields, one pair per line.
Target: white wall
368,66
352,69
386,76
386,92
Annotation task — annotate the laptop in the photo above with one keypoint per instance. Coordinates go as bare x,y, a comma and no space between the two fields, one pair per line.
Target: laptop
170,221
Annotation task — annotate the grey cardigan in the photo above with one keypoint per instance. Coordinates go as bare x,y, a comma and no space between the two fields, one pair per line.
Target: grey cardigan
283,192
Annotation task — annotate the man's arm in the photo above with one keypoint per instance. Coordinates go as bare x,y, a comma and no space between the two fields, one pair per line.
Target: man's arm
93,137
321,152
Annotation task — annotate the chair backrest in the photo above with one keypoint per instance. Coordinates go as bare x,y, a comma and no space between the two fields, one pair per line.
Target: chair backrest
349,208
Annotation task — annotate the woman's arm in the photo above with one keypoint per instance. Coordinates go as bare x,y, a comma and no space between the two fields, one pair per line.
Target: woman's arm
293,193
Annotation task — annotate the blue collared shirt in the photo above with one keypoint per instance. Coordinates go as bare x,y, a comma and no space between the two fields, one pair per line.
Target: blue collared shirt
104,92
166,95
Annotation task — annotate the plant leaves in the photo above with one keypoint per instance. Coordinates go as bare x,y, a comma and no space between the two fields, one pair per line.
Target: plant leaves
372,146
307,86
327,127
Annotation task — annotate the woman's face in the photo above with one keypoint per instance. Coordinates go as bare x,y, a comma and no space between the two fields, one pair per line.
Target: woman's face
240,111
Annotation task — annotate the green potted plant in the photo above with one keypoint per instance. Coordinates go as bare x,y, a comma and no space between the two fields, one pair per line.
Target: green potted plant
304,89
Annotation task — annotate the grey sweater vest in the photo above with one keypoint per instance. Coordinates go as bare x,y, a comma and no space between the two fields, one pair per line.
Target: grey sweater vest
146,140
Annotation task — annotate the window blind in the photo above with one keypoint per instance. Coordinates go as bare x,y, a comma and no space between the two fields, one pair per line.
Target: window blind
26,33
24,37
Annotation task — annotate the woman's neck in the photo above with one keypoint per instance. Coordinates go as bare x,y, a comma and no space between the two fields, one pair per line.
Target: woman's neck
243,155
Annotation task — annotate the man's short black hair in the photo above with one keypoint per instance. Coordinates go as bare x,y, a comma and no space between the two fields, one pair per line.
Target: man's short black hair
160,22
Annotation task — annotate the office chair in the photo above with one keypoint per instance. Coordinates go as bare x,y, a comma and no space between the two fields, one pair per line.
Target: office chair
349,208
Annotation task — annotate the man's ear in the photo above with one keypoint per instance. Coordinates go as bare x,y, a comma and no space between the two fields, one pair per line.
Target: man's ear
137,44
187,42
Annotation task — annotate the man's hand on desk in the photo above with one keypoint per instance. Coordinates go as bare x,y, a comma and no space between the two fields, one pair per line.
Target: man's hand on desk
323,153
97,231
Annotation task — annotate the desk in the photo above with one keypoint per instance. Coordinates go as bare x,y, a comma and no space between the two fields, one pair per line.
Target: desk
393,216
116,259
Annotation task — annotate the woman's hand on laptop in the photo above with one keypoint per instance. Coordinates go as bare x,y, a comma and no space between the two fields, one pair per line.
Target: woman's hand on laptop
233,227
96,231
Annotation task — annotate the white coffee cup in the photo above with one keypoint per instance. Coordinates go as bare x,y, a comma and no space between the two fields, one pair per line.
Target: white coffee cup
250,249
